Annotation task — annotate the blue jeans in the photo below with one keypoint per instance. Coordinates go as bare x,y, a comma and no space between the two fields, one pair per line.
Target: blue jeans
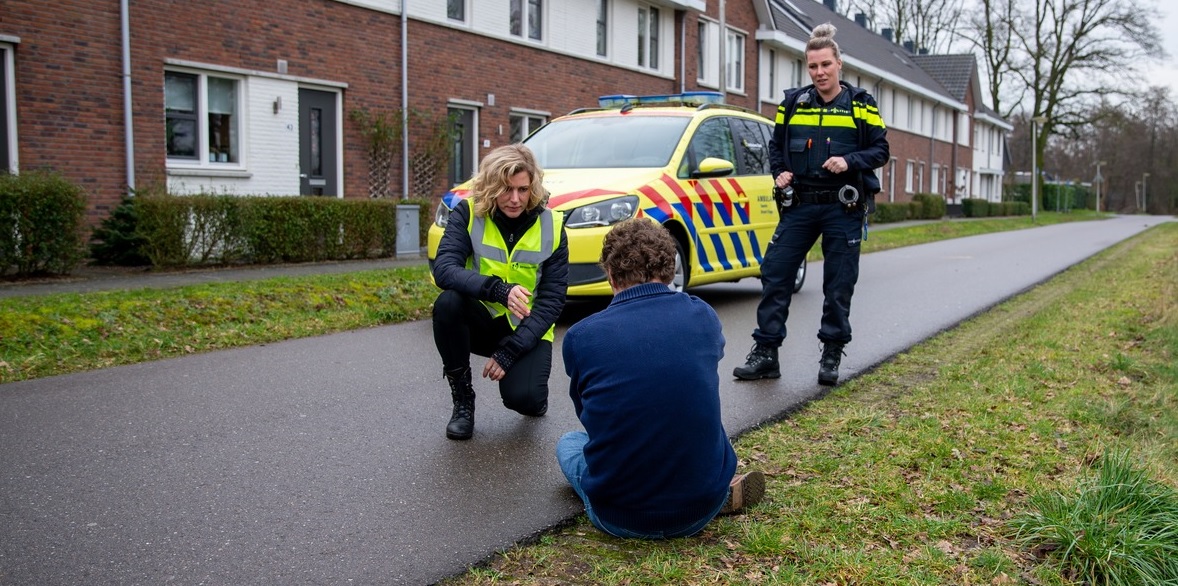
570,452
796,233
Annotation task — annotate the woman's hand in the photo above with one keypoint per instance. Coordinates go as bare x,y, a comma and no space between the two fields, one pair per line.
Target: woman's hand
493,371
517,301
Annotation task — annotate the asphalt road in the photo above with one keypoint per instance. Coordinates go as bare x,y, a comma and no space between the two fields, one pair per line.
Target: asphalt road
324,461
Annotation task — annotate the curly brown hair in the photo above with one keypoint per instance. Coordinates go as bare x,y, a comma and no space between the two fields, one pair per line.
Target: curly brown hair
638,251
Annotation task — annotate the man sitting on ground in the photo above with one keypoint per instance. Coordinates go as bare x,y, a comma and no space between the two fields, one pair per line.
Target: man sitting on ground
654,461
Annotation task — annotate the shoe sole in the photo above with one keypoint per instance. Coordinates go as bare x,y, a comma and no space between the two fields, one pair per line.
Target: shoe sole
756,376
828,382
747,490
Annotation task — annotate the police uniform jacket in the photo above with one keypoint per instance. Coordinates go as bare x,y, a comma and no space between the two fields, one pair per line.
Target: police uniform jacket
807,132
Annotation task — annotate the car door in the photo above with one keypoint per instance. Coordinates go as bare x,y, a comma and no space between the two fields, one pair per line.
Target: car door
755,180
717,216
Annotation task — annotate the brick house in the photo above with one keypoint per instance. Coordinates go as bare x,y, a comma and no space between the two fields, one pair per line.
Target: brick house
256,97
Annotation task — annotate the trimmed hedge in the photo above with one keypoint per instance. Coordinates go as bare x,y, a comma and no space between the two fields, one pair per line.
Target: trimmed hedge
226,229
980,208
927,206
42,219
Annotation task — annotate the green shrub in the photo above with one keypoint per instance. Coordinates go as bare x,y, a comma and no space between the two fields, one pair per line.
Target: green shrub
972,207
42,219
890,212
117,240
223,229
928,206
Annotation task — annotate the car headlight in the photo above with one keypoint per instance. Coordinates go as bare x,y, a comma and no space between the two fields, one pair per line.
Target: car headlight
442,216
602,213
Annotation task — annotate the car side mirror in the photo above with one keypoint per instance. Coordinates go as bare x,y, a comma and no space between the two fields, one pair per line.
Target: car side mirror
713,167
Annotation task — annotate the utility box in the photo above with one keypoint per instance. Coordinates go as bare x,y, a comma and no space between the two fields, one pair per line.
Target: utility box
408,230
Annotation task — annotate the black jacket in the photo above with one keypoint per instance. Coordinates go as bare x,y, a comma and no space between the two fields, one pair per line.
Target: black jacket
450,272
864,149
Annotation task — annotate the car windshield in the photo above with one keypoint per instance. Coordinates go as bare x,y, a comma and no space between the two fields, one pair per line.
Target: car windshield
607,142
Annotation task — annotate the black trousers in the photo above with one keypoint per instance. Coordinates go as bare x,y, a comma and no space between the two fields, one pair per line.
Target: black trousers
463,326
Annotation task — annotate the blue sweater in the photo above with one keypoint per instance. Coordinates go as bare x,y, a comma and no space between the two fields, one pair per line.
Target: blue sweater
646,386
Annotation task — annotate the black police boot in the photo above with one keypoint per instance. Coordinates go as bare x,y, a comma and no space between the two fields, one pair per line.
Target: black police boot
828,372
461,426
760,363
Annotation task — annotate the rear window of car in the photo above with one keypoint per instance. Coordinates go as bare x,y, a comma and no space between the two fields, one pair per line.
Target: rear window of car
594,142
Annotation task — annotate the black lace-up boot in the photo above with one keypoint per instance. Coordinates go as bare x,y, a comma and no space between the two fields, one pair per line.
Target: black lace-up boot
828,372
461,426
761,362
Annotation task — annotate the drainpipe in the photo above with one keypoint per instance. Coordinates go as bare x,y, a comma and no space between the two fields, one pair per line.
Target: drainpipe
404,101
682,51
128,131
723,41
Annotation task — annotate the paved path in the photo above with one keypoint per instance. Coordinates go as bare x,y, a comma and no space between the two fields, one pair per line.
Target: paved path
323,460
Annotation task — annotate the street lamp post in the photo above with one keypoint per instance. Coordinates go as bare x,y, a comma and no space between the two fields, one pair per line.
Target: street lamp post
1035,122
1144,197
1098,179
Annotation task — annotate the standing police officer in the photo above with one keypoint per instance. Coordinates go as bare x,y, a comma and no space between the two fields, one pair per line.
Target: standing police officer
827,140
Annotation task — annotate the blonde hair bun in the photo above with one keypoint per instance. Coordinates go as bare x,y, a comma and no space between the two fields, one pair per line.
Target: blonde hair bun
824,30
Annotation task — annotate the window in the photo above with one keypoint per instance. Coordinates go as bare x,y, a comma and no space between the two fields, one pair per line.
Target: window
201,116
712,139
531,12
456,10
648,37
702,56
523,124
734,55
602,27
910,177
7,111
753,150
934,184
771,91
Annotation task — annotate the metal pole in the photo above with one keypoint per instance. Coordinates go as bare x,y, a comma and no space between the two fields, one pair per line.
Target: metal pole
1144,193
1034,167
1099,180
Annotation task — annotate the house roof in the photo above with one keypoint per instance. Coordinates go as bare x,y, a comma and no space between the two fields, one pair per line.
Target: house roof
863,48
953,71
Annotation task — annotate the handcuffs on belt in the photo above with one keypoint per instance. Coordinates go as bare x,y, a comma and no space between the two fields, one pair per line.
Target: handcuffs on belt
848,196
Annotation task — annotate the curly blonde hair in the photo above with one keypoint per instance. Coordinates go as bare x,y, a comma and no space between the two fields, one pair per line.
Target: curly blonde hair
822,37
638,251
494,177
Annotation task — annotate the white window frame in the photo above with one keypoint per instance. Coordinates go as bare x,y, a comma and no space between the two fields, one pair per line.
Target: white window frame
526,8
708,54
461,6
202,119
734,66
603,28
8,99
531,120
909,177
649,25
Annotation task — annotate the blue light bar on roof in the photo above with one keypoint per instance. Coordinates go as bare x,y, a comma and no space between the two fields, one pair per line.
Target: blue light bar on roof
685,98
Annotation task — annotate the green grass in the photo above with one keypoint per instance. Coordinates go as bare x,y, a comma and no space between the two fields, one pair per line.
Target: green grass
978,457
1032,445
58,334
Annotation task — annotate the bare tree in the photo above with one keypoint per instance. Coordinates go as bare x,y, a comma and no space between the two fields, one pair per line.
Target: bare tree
989,29
929,24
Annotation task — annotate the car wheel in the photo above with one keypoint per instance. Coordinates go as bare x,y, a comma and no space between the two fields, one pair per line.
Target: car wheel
682,272
800,277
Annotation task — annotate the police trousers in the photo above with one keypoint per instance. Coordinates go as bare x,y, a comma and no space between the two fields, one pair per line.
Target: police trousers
462,326
796,233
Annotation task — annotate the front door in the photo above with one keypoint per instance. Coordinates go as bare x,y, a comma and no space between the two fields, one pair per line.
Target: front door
462,154
318,143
